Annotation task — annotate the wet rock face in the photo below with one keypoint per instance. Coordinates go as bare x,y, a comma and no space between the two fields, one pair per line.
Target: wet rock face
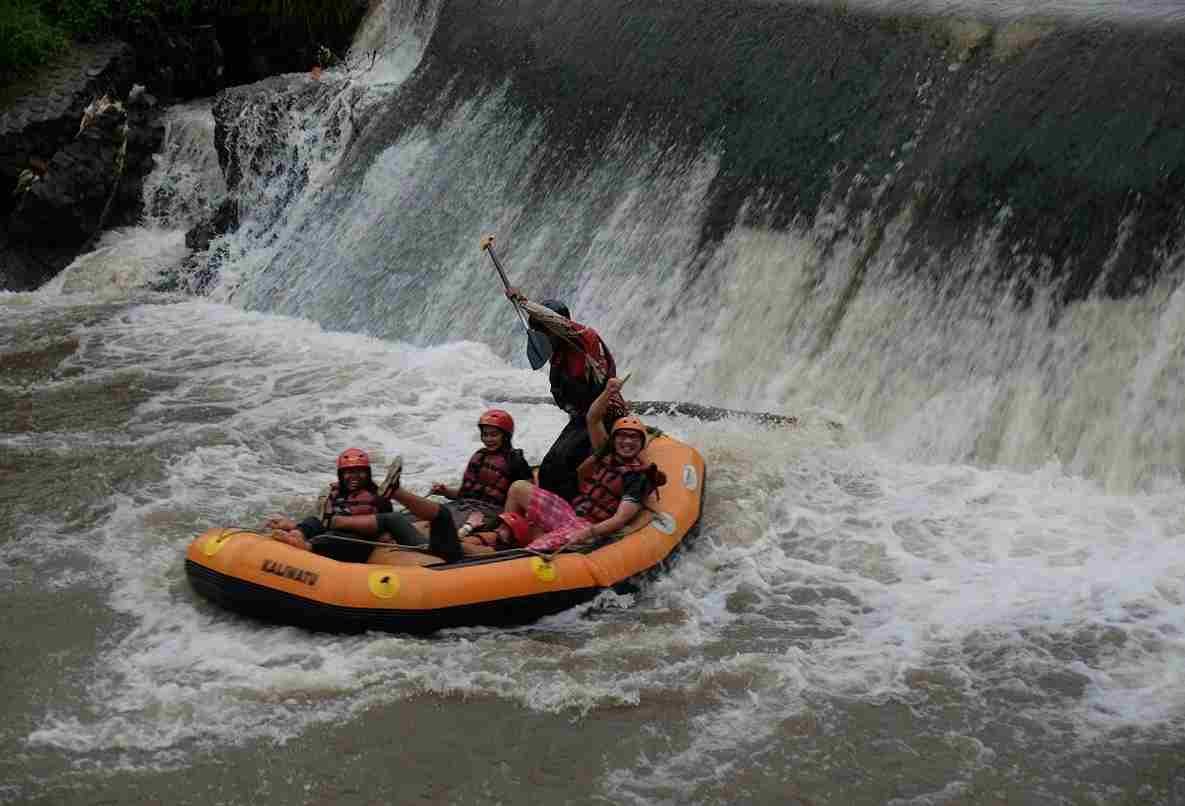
45,115
224,220
181,64
60,213
59,184
93,181
145,135
42,144
261,45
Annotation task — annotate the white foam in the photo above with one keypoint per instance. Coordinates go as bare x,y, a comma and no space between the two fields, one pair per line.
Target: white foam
124,260
826,568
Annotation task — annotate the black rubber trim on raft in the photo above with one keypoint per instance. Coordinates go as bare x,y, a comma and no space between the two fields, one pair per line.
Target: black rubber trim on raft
269,604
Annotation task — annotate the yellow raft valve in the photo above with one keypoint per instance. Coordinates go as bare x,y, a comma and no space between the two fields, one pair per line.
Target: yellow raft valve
215,542
383,584
544,571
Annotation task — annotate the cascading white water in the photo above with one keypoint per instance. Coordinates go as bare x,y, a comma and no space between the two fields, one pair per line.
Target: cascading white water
958,372
187,184
184,187
974,584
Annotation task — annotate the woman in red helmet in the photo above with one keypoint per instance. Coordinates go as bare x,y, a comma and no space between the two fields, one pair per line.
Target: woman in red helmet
611,488
491,470
507,530
355,494
474,512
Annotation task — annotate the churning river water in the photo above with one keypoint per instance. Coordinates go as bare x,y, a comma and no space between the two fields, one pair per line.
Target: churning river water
960,579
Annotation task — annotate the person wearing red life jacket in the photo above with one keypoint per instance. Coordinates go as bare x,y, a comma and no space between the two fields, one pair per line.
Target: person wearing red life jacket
580,366
355,494
490,471
611,488
472,522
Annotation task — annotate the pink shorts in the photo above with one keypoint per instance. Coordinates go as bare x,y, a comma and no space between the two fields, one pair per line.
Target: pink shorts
555,516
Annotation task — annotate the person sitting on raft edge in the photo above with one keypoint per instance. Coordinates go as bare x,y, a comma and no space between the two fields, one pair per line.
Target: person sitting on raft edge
355,494
611,488
581,363
475,512
490,471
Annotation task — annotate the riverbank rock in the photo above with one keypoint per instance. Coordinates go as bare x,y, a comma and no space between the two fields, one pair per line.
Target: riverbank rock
43,113
57,215
59,186
47,136
225,219
176,65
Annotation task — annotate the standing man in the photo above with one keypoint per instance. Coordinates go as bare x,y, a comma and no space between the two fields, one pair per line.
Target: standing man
580,365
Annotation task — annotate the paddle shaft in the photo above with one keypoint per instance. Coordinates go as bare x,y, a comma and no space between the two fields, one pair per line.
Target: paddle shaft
488,245
498,265
538,346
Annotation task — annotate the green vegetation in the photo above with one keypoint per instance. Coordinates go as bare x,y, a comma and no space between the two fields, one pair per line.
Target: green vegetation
33,31
27,39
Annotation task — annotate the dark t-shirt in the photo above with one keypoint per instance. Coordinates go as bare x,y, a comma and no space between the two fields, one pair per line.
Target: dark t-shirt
634,488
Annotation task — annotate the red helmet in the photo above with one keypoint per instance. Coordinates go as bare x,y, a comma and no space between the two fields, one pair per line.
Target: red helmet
353,457
629,423
519,527
498,419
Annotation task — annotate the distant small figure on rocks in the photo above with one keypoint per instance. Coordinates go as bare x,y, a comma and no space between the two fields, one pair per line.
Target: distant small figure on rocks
94,109
30,176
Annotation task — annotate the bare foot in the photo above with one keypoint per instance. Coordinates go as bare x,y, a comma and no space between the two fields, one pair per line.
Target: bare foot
279,522
294,538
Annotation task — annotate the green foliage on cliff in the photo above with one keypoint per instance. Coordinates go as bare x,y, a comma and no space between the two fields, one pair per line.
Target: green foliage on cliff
32,31
27,38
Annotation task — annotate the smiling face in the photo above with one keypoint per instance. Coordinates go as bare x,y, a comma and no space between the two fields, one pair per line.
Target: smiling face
627,443
492,437
354,478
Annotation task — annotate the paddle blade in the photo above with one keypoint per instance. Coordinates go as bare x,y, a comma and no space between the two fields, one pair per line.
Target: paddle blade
538,348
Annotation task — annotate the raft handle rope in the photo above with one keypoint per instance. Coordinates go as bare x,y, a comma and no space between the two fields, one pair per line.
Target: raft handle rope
336,536
231,531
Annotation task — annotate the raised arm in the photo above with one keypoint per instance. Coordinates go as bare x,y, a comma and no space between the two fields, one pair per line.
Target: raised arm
596,414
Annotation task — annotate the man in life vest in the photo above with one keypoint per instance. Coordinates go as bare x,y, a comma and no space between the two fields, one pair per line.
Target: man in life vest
612,488
472,522
581,364
355,494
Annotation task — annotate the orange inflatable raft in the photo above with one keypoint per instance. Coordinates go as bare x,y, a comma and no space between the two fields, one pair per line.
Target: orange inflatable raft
394,591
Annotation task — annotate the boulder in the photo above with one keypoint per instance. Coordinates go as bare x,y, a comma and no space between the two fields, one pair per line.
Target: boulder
225,219
177,64
56,216
42,114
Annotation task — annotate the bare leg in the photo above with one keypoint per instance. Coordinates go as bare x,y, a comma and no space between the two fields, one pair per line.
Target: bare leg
518,497
293,537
